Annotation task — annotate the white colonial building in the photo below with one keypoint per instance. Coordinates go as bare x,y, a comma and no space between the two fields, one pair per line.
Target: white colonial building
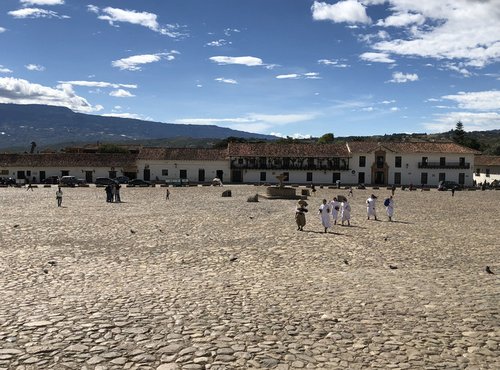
487,168
195,165
352,163
391,163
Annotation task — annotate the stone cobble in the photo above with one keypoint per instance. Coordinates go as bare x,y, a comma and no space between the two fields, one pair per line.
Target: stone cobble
205,282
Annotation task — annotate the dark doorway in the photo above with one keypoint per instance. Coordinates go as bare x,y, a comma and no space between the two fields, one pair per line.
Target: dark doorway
42,176
183,174
88,177
219,174
379,178
147,174
236,176
201,175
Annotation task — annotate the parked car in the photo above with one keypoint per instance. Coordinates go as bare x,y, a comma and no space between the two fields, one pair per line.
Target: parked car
51,180
139,182
122,179
68,180
448,185
104,181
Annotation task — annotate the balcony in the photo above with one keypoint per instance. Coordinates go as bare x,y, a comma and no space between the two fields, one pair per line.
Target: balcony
290,165
447,165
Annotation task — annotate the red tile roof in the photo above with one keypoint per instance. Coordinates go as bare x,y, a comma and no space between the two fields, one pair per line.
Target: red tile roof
487,160
410,147
287,150
68,160
187,154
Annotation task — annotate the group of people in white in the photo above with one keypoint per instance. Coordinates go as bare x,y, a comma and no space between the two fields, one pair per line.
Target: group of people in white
335,210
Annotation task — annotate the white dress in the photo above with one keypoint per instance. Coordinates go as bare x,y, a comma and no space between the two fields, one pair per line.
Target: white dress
335,211
370,207
390,208
324,210
345,211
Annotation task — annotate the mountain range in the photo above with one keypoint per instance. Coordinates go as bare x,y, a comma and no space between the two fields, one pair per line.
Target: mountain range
47,125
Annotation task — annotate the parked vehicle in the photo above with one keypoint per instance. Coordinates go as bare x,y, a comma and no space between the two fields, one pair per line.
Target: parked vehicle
122,179
68,180
448,185
51,180
104,181
139,182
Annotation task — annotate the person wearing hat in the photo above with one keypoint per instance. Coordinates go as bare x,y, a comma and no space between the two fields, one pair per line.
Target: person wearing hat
300,214
370,207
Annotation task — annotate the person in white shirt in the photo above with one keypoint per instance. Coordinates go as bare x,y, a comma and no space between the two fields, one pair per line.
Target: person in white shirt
370,207
335,206
324,211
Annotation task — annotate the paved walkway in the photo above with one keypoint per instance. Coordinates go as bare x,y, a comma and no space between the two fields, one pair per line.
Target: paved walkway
205,282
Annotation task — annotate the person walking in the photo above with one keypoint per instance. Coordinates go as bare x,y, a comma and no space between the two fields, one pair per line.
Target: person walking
29,186
370,207
324,211
59,195
393,189
109,193
345,212
350,192
335,206
389,207
453,191
117,187
300,214
168,194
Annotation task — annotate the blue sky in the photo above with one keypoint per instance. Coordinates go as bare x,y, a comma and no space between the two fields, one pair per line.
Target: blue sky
286,67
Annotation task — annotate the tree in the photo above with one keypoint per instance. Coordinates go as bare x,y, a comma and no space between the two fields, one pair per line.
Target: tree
33,146
326,139
111,148
459,133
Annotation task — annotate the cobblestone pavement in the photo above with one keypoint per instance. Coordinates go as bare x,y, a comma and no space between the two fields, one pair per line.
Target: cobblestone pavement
205,282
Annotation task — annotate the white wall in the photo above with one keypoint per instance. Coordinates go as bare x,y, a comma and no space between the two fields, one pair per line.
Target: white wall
494,174
174,167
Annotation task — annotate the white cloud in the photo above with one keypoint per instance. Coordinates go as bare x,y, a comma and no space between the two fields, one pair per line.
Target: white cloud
447,34
481,100
42,2
293,136
35,67
247,60
99,84
377,57
35,13
349,11
93,9
134,62
2,29
401,20
288,76
472,121
121,93
145,19
458,68
18,91
229,31
218,43
126,115
400,77
226,80
388,101
295,76
394,109
253,122
5,69
333,63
